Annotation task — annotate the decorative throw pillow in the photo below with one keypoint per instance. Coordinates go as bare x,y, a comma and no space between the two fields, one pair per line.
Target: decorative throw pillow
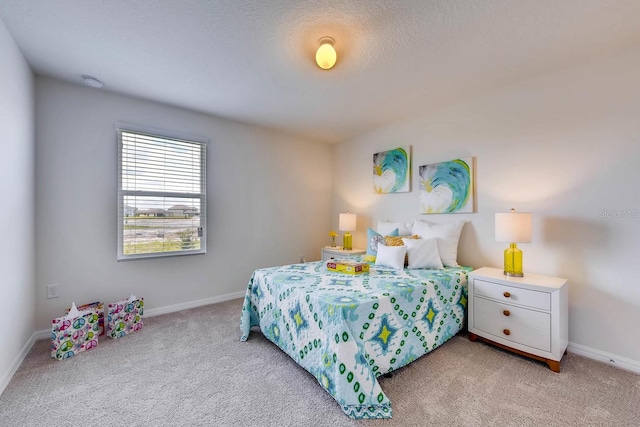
447,233
385,228
393,241
398,240
391,256
373,238
423,253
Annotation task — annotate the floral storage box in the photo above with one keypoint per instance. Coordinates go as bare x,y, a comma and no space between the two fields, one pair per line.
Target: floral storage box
72,335
125,316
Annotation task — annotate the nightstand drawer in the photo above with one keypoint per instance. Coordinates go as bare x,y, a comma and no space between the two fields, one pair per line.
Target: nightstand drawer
523,326
513,295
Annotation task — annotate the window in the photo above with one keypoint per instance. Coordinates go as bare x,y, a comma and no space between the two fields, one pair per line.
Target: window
161,195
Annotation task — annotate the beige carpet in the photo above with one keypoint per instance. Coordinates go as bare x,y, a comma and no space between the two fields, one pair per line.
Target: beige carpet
190,369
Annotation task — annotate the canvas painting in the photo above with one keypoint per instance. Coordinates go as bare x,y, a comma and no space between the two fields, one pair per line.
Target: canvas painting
391,171
446,187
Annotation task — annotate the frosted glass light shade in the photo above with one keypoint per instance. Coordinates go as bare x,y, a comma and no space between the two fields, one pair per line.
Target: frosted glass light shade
513,227
326,54
347,222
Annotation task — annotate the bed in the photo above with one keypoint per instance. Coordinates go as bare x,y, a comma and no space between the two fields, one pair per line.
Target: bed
348,330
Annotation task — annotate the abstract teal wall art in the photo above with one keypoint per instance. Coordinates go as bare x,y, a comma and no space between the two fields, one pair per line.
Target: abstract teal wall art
391,171
446,187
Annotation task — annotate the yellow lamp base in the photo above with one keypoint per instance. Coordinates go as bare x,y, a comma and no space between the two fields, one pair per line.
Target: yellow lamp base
513,261
346,241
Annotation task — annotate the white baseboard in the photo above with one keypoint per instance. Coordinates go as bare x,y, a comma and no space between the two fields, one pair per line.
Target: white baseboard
191,304
17,362
608,358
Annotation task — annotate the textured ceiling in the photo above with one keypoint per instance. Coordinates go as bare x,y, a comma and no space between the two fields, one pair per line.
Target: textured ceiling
253,60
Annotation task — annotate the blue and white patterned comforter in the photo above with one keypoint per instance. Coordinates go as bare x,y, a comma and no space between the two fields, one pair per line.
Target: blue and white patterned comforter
348,330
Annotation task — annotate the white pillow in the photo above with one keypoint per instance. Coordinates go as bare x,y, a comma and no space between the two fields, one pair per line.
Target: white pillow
423,253
391,256
447,233
385,228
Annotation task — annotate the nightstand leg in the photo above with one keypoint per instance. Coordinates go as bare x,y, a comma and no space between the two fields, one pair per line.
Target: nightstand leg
472,337
553,365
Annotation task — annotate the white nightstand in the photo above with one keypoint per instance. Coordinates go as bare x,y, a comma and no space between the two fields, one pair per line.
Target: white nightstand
329,252
527,315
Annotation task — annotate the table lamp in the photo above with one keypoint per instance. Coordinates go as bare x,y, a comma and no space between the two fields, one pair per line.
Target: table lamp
347,223
513,227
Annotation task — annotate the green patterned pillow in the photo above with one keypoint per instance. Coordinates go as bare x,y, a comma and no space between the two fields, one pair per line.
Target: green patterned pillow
373,238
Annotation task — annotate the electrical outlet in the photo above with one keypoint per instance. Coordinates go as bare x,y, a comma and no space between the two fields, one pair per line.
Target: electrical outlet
52,291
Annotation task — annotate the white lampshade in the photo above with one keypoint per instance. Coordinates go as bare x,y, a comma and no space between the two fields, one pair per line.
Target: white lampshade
347,222
513,227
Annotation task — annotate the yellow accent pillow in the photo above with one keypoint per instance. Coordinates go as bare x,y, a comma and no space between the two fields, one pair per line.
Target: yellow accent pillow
393,241
397,241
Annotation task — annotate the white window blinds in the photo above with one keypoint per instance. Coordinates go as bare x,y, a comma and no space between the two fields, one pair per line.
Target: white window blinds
161,196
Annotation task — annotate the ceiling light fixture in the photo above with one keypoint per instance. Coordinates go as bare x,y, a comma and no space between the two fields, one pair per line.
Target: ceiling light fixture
92,81
326,53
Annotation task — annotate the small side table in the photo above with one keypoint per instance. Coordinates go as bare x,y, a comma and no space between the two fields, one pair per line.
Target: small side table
526,315
329,252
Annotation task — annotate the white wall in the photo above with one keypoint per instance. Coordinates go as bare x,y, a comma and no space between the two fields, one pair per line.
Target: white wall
564,146
18,207
269,199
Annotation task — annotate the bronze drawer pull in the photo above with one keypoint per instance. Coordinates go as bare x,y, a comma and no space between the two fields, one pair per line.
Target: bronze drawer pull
506,332
506,294
506,312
